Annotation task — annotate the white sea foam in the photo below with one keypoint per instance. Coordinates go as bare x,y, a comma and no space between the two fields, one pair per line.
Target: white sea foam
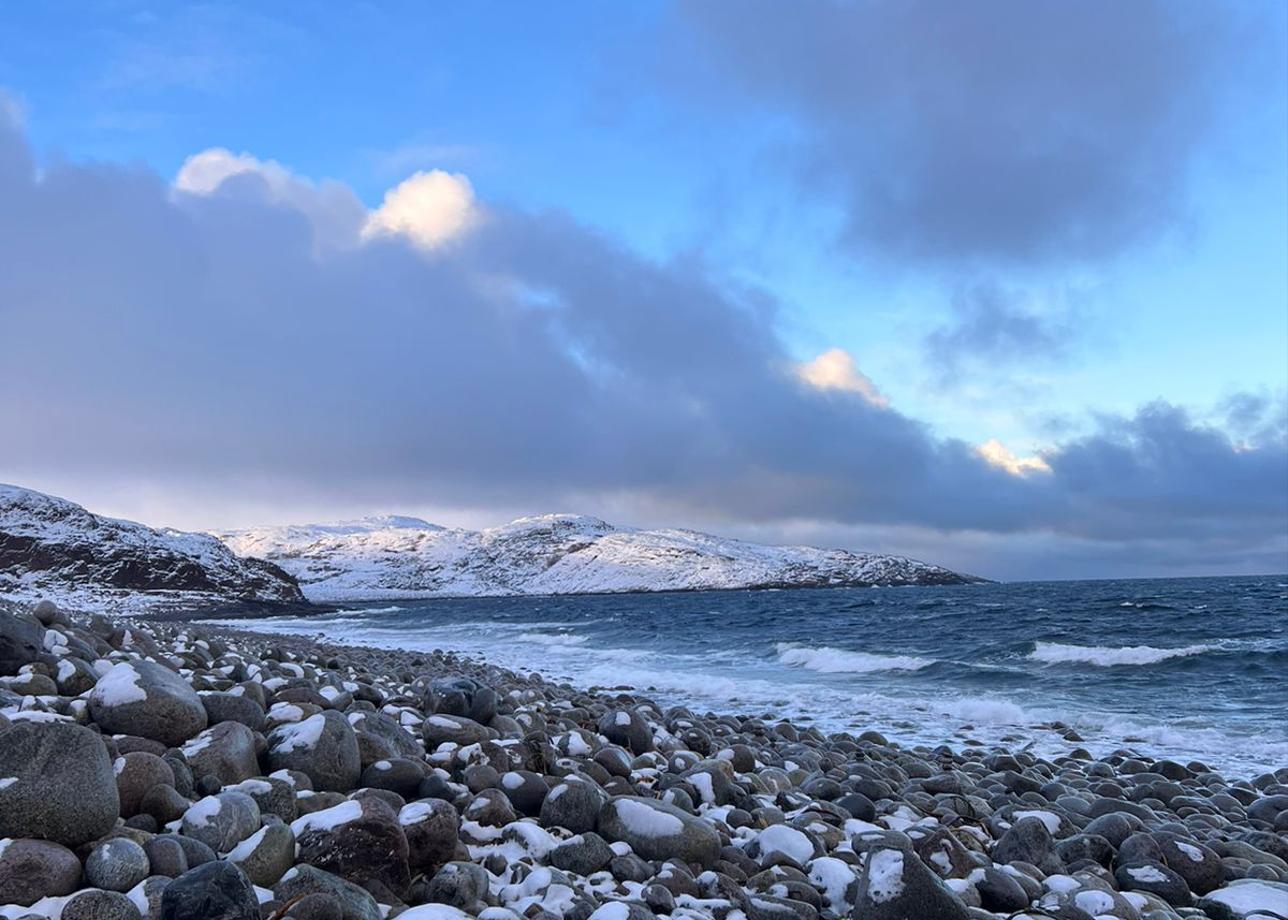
828,660
551,638
1109,656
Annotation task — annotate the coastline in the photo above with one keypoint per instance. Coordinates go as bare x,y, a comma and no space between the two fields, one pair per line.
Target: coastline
457,767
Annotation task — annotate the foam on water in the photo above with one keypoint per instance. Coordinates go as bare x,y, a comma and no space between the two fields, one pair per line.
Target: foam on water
828,660
1108,657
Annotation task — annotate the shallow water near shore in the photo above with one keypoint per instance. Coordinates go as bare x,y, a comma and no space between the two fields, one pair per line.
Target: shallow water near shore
1184,668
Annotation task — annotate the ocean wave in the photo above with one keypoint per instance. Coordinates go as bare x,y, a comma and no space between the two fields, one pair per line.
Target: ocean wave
828,660
1108,656
538,638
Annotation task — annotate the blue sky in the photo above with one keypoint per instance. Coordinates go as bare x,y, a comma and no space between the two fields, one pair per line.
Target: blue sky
711,135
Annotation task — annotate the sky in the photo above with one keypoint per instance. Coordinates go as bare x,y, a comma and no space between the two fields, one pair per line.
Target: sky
1003,285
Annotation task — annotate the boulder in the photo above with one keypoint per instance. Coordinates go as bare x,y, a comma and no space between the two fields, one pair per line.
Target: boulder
322,747
896,885
215,891
35,869
56,783
659,831
145,699
225,751
359,840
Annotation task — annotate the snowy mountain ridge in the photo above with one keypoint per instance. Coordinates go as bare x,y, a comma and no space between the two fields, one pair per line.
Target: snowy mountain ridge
389,557
51,548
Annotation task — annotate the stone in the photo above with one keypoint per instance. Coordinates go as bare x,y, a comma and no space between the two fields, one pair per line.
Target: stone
22,641
573,805
221,821
584,854
896,885
1155,879
143,698
225,751
627,728
358,840
659,831
432,828
117,865
136,773
93,904
232,707
355,903
166,856
265,855
35,869
322,747
57,783
452,729
215,891
465,696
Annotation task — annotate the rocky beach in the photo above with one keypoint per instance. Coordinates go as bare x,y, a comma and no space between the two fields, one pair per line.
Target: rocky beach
174,770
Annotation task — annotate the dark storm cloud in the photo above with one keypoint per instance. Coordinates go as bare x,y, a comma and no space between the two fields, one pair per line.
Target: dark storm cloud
1005,130
183,340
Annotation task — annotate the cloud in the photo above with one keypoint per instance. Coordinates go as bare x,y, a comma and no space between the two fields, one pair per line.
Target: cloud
205,339
994,326
335,214
835,369
1007,131
997,454
429,208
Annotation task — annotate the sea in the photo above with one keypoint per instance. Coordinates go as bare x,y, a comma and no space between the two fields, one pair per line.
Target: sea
1190,669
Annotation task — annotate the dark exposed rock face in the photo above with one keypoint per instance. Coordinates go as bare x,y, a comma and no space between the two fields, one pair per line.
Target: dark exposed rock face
51,543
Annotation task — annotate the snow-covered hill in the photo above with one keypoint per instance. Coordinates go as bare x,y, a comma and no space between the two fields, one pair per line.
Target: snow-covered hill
397,557
52,548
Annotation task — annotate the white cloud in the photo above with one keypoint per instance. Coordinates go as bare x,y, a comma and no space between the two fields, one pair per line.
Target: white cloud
335,212
997,454
429,208
835,369
203,173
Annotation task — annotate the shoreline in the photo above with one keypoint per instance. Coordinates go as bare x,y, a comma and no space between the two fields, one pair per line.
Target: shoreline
433,786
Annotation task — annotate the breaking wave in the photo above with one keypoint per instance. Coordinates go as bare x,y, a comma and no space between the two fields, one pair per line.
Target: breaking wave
1107,657
829,660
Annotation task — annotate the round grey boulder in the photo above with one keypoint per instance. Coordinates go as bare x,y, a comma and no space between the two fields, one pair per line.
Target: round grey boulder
322,747
93,904
573,805
359,840
221,821
145,699
136,774
627,728
21,642
59,783
265,855
432,828
225,751
35,869
443,728
659,831
896,885
215,891
117,865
